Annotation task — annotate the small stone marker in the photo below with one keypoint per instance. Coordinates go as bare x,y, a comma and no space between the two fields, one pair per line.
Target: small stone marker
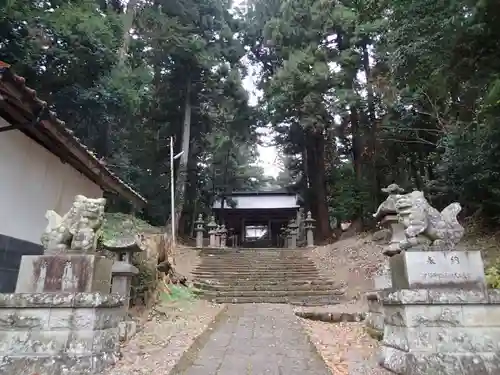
437,269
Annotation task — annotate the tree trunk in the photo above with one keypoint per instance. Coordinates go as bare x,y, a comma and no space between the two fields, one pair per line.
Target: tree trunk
373,127
128,22
315,146
180,184
356,144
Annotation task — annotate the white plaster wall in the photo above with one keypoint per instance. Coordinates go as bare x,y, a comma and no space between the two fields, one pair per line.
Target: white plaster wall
261,201
32,181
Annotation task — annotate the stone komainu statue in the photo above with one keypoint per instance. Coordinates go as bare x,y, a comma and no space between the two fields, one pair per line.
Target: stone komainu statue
76,230
424,225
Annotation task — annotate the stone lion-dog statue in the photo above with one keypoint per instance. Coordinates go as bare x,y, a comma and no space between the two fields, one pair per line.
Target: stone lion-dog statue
424,225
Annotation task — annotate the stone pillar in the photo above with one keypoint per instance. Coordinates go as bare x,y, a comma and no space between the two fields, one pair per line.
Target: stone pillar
223,236
63,318
199,231
300,223
293,235
217,236
212,226
309,226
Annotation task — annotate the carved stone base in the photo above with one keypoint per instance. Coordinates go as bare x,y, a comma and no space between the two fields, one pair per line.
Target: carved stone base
59,333
64,273
441,332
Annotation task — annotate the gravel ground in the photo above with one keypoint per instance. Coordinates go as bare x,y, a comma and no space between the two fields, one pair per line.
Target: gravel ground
169,330
345,347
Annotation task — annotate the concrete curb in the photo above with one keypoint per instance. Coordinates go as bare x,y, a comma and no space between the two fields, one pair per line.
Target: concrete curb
314,349
331,317
190,355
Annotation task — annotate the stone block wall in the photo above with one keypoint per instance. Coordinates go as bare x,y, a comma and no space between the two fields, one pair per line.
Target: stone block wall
441,332
59,333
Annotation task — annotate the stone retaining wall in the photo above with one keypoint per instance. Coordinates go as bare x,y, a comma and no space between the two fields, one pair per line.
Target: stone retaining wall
59,333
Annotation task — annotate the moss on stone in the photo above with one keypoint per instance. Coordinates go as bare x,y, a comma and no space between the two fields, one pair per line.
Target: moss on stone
118,224
374,333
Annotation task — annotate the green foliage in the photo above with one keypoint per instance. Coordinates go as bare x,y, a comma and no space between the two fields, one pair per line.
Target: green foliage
178,293
118,224
493,276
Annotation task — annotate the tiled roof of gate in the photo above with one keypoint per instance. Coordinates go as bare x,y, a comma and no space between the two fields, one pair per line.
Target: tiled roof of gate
14,91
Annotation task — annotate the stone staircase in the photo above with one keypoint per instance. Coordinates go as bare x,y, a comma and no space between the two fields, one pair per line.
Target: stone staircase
263,276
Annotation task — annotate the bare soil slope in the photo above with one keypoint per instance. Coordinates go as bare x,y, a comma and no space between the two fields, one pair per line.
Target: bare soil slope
352,261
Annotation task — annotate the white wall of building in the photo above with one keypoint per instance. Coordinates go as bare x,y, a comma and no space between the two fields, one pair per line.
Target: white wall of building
261,201
32,181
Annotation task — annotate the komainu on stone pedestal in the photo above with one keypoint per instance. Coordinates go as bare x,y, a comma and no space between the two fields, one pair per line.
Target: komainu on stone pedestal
425,227
76,231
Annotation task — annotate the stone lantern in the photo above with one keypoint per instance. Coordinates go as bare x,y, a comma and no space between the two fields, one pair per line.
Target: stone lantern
223,236
217,236
123,270
212,226
199,231
309,229
284,236
293,228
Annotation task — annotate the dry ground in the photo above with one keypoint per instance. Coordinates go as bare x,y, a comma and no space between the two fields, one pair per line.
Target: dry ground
169,330
345,347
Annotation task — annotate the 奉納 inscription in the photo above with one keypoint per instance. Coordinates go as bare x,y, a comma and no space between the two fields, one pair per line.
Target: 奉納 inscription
437,268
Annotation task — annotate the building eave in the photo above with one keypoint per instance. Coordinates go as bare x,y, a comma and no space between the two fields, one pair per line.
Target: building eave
21,107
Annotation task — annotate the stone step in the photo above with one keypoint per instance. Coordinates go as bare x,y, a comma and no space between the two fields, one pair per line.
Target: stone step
251,272
255,260
256,277
271,293
263,283
253,256
327,285
260,269
288,300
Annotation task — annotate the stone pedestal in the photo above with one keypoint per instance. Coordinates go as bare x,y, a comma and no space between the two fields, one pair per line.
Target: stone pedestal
64,273
375,316
441,332
439,316
59,333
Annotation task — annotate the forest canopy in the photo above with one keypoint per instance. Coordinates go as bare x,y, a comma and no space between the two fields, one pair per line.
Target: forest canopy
358,94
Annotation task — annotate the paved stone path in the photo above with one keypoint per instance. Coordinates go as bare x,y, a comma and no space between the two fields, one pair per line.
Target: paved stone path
258,339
